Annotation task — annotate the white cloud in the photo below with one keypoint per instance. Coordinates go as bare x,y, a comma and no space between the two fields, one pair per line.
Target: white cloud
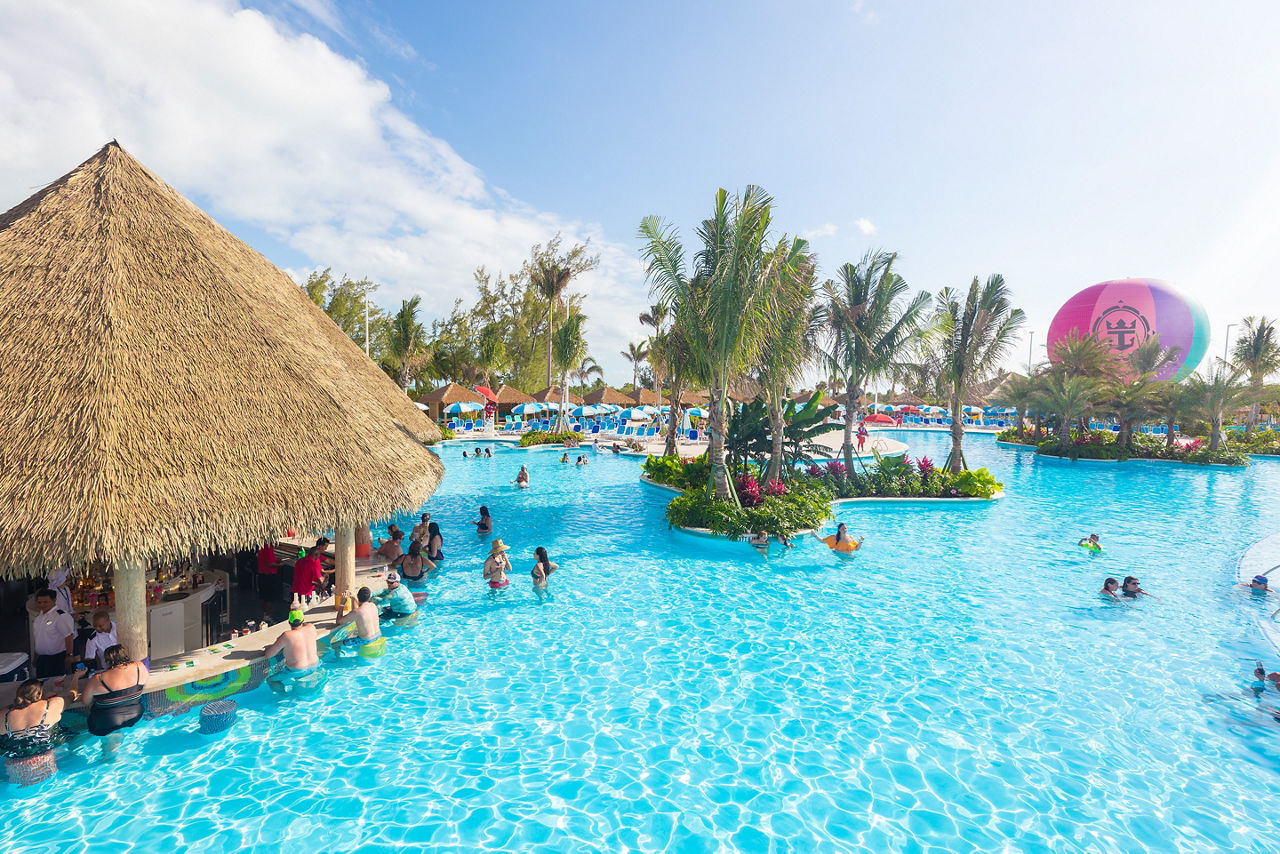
865,225
825,230
273,128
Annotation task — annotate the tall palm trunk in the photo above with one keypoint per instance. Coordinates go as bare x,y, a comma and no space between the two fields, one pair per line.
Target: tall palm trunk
551,325
1020,415
1250,424
715,447
776,436
564,402
1215,431
1168,431
955,459
850,411
673,417
1064,431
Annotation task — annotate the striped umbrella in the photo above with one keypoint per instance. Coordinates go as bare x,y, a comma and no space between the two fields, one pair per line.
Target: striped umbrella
528,408
587,411
461,407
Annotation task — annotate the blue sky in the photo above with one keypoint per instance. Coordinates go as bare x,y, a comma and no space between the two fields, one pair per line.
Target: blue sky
1060,145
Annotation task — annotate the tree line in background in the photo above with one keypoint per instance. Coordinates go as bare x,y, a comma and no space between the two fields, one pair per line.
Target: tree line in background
520,329
1085,380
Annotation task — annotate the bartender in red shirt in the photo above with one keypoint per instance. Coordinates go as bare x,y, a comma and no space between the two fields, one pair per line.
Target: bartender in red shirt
269,590
309,572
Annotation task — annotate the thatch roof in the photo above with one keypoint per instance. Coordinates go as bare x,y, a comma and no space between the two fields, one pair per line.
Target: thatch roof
645,397
826,400
744,390
906,399
166,389
607,394
511,396
551,394
694,398
452,393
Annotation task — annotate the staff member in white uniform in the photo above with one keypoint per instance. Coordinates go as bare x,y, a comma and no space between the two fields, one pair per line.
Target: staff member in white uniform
53,634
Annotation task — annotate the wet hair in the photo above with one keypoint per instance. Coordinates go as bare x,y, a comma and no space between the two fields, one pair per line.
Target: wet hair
426,517
433,530
484,512
415,548
29,692
363,595
117,655
1129,578
397,535
541,554
322,542
1259,671
1109,582
46,593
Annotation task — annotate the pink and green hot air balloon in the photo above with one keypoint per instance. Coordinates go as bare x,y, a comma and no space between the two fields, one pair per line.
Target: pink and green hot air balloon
1126,312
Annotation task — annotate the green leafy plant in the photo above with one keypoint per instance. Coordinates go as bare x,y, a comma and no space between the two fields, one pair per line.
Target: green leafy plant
547,437
976,483
446,432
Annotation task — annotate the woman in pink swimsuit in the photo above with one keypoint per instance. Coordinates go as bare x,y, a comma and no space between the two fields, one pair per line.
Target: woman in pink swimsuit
497,565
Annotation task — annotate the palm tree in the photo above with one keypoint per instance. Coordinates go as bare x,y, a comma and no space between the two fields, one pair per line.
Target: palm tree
1171,404
1069,397
406,342
977,335
1216,393
636,354
868,327
1258,353
550,278
789,338
582,374
568,351
491,352
1079,355
1019,392
656,317
1131,392
721,307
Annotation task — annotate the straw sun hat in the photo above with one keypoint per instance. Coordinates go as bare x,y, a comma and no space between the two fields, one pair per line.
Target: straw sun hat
498,546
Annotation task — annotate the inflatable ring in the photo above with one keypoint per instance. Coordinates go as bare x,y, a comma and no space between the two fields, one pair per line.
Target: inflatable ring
1090,547
373,650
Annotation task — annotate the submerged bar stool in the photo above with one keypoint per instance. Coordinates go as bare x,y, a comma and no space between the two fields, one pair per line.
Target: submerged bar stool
217,716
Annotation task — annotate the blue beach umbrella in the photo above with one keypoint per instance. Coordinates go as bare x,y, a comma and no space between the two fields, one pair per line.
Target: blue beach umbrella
464,406
528,409
696,412
635,413
587,411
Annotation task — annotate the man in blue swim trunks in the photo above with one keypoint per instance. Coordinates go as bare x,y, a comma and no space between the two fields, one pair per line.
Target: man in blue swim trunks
365,617
397,600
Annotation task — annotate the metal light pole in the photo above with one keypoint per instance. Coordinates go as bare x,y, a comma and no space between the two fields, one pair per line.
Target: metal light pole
1030,346
1226,344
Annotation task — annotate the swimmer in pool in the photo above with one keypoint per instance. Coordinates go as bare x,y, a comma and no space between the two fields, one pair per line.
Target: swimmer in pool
484,525
1091,542
487,454
840,541
497,565
542,568
1109,588
1131,589
522,478
1258,585
464,455
564,458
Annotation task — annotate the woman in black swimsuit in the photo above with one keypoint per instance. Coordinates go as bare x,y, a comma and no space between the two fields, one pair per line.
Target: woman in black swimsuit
485,525
31,722
412,565
434,542
115,694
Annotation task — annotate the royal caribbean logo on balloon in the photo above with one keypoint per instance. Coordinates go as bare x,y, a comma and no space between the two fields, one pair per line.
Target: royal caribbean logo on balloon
1123,325
1124,313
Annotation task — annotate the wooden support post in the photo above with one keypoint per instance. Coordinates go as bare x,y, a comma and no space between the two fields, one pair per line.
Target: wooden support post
129,581
344,558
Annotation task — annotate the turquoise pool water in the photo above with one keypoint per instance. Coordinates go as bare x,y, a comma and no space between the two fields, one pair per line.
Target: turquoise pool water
958,686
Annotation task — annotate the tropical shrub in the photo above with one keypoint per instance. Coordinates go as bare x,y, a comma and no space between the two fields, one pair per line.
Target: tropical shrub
446,432
805,506
1102,445
680,472
976,483
548,437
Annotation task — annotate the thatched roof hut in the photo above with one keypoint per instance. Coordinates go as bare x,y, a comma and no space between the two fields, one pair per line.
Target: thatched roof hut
509,396
552,394
166,389
607,394
744,390
437,399
694,398
906,399
645,397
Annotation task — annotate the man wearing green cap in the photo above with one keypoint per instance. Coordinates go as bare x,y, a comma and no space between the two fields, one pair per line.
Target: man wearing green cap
298,644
